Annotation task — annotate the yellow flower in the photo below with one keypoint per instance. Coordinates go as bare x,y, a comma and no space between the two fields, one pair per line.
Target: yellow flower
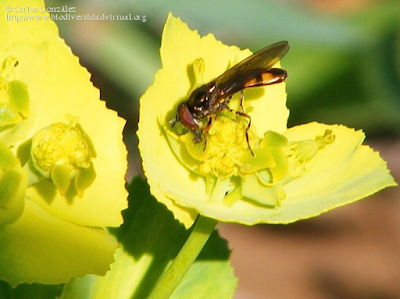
55,130
295,173
13,183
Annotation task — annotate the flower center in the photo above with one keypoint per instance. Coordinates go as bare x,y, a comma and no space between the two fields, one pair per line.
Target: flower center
226,152
226,144
62,152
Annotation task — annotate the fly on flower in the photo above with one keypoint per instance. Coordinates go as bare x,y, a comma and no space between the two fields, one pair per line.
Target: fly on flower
200,110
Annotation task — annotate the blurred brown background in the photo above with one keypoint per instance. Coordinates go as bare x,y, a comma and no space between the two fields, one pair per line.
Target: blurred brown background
350,252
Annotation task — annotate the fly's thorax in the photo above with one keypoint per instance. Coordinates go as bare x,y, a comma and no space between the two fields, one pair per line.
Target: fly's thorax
197,97
202,100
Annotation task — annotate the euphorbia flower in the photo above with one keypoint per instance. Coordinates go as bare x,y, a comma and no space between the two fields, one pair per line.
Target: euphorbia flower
295,173
55,131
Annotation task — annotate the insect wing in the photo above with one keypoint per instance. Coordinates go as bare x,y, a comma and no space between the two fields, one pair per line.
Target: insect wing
236,77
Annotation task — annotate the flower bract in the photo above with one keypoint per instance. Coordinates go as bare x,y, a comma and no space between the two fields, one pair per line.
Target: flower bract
62,158
267,173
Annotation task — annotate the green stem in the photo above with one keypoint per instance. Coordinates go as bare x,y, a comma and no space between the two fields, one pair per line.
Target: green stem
194,244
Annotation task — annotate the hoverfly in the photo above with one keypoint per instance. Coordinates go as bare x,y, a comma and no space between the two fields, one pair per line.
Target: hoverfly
205,102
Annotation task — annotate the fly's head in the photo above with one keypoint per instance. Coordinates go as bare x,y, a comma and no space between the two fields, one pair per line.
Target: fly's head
194,114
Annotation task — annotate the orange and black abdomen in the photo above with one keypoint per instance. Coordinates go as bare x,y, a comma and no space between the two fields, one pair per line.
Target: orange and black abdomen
269,77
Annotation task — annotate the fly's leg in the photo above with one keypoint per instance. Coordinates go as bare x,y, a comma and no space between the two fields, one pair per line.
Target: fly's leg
201,134
242,114
241,100
205,131
247,128
197,136
249,118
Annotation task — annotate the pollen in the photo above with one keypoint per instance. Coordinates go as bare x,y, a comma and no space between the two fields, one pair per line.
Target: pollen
226,143
61,152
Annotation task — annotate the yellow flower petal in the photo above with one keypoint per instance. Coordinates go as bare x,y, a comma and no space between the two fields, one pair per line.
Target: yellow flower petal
45,249
344,172
64,231
337,176
13,28
59,86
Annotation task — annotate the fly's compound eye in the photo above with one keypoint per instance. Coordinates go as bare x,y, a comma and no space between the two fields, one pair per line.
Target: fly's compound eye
186,118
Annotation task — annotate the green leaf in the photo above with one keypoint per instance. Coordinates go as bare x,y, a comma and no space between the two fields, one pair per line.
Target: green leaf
210,276
29,291
150,239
